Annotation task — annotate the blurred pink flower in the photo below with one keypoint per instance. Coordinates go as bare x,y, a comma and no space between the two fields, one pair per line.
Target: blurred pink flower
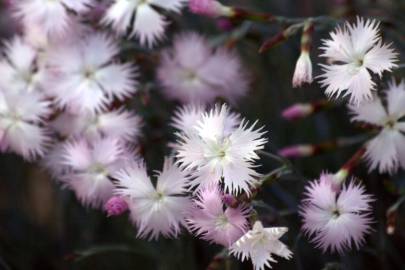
386,151
88,77
336,218
222,148
148,25
193,72
259,244
156,210
212,222
353,51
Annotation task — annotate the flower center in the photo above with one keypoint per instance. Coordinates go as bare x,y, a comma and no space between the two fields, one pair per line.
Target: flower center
221,221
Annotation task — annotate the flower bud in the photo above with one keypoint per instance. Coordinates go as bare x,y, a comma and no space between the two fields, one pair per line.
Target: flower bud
115,206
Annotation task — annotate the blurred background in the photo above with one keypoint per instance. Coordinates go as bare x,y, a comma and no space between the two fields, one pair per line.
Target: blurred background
44,227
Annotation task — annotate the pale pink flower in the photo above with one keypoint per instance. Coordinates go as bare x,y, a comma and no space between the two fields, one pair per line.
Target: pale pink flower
213,222
22,120
334,217
386,151
222,148
20,68
259,244
211,8
156,210
193,72
148,25
55,17
121,123
303,70
88,76
354,52
87,168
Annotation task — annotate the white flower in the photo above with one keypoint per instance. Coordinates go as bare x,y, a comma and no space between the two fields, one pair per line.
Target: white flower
303,70
353,52
54,16
148,25
86,167
259,244
222,147
87,75
20,68
155,210
22,117
186,117
120,123
386,151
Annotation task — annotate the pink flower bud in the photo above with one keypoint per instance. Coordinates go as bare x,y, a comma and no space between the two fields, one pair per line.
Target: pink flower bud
224,24
296,151
209,8
115,206
297,111
229,200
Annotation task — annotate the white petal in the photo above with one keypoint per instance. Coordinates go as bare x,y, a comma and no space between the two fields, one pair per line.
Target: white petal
149,25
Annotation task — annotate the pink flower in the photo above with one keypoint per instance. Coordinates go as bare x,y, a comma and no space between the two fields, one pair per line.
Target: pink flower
335,219
193,72
215,223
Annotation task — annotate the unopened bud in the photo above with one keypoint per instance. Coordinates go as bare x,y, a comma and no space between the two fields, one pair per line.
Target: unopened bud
297,111
297,151
210,8
115,206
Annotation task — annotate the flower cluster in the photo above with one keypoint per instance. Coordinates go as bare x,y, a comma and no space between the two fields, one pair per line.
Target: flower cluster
66,89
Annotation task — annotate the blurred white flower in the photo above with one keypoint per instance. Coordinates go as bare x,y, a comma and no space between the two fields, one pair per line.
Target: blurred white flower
259,244
148,25
193,72
222,147
386,151
120,123
54,17
156,210
87,76
86,167
21,68
22,119
354,52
